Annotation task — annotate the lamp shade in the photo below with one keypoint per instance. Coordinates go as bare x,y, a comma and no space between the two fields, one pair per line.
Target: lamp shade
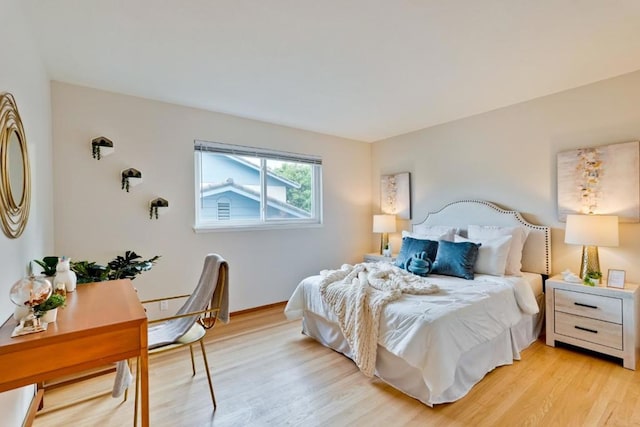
592,230
384,223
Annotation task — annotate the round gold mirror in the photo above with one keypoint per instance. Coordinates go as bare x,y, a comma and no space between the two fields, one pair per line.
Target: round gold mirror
15,168
15,176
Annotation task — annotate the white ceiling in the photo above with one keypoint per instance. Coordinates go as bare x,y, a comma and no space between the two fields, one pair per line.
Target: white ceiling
361,69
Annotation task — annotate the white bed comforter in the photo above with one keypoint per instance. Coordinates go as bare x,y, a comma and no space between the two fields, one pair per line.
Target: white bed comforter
358,293
431,332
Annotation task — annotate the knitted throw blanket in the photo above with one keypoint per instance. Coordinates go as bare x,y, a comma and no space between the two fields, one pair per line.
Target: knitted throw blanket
358,293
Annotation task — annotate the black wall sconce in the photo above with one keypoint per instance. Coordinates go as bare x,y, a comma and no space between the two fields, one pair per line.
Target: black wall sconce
130,178
101,146
158,207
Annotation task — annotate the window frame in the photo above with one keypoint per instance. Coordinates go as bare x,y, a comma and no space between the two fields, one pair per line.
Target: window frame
316,219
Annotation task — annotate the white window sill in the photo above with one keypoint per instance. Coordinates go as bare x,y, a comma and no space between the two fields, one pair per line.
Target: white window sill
253,227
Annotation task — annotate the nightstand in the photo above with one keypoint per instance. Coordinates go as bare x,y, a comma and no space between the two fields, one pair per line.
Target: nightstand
375,257
597,318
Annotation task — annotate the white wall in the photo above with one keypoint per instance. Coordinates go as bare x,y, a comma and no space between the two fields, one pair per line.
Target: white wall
96,220
508,156
23,75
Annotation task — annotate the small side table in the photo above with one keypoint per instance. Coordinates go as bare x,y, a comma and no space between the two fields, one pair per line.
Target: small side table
597,318
376,257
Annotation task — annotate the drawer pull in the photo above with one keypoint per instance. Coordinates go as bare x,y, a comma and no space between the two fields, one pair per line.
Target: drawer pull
585,305
593,331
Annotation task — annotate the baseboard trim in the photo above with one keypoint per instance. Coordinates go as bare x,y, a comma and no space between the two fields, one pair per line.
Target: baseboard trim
259,308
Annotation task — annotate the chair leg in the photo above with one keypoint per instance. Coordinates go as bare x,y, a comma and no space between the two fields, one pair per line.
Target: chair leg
135,404
206,367
193,363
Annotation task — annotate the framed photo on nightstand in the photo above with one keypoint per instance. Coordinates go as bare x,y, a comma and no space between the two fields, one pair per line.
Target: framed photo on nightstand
615,279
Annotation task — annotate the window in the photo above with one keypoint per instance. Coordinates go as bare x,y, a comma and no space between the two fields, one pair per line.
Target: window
249,187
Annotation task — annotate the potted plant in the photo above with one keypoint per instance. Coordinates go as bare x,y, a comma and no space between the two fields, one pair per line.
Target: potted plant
48,265
592,278
48,310
121,267
129,266
88,272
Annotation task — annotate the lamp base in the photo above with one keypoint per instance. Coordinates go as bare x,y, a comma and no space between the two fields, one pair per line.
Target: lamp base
590,261
384,241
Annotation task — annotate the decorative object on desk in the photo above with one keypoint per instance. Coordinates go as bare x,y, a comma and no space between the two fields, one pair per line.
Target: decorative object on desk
591,231
157,207
130,178
60,289
101,147
592,278
419,264
602,179
395,195
384,224
48,310
615,278
48,265
15,172
64,275
29,292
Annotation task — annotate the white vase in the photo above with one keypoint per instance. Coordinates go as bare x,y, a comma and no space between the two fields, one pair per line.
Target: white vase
593,282
50,316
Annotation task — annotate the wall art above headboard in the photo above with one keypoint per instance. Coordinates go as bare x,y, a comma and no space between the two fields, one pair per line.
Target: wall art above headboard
602,180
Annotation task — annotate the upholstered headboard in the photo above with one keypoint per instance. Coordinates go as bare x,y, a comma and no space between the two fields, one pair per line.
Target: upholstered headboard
536,255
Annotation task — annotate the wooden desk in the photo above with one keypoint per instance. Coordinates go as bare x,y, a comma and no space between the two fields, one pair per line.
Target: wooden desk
101,323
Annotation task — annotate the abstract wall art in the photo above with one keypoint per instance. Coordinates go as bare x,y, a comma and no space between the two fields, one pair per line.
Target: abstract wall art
601,180
395,195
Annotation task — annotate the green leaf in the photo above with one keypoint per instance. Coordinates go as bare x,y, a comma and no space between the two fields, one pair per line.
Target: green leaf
48,265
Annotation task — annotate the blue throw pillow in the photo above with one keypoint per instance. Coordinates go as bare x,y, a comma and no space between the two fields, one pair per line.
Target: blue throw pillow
456,259
411,246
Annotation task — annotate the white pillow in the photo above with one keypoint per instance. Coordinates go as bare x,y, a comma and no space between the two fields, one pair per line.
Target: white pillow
434,232
518,237
492,254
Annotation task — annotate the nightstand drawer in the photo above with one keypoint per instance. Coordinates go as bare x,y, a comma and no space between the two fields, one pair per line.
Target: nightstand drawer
591,330
598,307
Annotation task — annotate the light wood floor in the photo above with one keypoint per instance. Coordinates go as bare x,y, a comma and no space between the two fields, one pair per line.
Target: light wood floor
266,373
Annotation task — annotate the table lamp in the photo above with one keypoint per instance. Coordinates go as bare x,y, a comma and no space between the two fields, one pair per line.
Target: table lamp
591,231
384,224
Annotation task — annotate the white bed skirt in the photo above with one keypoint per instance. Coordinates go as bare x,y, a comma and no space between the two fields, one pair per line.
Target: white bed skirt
472,366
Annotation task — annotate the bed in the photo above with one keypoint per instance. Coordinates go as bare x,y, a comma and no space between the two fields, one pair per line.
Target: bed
435,345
